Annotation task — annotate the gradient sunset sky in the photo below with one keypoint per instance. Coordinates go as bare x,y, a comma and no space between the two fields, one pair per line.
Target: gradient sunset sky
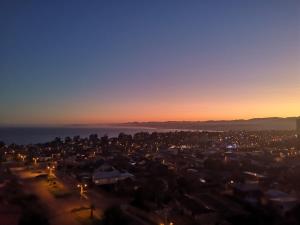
74,61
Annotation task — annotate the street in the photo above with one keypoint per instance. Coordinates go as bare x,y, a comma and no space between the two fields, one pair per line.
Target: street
72,209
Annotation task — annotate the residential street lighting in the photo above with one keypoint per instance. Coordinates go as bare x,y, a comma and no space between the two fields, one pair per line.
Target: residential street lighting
35,160
82,188
51,169
22,157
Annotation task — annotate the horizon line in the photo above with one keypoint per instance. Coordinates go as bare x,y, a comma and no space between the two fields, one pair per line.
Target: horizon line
6,125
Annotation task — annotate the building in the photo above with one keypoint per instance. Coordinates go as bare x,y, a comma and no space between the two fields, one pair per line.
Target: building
298,126
250,193
281,201
107,174
298,131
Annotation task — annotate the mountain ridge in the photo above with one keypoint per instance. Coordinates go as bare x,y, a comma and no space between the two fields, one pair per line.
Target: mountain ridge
268,123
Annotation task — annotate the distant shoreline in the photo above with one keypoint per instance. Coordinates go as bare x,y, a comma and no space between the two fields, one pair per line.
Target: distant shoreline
288,122
272,123
35,135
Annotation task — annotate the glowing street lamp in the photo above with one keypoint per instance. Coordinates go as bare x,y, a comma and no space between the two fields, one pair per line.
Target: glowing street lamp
82,188
35,160
22,157
51,169
166,221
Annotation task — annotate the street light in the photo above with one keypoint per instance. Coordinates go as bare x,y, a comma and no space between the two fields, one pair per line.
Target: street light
51,168
35,160
22,157
82,188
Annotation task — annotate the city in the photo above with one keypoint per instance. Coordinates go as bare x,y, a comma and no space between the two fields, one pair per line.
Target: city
182,177
150,112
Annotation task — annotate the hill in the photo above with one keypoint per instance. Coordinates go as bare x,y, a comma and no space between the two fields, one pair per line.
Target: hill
274,123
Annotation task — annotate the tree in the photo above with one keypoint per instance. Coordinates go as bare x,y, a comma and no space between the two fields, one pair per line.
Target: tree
104,140
115,216
30,217
68,139
2,144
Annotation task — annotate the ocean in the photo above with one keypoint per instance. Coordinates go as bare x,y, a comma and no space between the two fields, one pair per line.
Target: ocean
34,135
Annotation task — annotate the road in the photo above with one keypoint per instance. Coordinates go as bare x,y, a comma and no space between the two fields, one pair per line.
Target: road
101,199
62,210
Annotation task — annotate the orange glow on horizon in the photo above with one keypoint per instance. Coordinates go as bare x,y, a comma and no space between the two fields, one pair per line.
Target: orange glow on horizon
175,112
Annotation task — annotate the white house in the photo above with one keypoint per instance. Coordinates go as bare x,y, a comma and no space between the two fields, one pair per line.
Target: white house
107,174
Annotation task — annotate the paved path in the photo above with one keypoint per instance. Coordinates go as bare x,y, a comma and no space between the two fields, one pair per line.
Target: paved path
60,209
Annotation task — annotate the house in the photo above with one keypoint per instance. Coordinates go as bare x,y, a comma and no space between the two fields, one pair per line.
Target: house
191,207
249,192
280,201
107,174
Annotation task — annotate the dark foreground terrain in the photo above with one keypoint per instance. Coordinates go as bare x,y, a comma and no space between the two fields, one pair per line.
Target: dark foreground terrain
207,178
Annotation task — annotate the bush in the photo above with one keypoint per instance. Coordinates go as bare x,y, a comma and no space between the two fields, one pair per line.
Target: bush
115,216
33,218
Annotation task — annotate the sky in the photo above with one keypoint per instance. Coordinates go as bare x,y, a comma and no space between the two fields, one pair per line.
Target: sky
66,62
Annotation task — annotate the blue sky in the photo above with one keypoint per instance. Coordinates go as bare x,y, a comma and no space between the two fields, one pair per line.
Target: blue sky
110,61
